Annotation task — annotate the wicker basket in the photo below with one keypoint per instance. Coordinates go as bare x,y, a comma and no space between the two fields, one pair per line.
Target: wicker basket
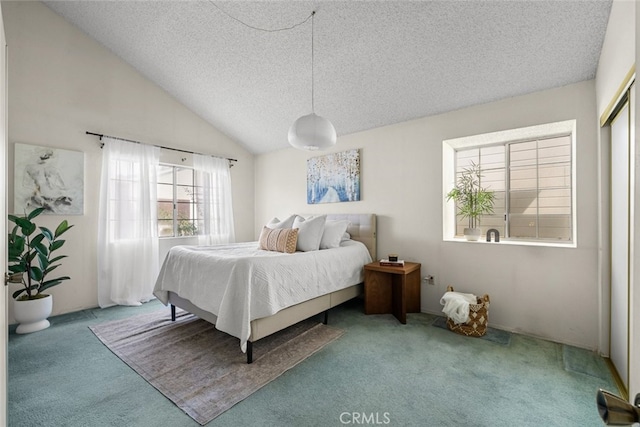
478,318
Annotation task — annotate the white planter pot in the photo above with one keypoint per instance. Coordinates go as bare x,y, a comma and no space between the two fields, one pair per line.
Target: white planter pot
472,234
32,314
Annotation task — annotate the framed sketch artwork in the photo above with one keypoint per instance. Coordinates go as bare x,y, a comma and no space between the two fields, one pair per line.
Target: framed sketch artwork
47,177
334,178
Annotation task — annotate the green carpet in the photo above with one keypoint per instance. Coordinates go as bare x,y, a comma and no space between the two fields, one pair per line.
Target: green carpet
584,362
411,375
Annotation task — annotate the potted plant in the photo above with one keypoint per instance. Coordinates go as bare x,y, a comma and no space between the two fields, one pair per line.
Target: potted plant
472,200
31,259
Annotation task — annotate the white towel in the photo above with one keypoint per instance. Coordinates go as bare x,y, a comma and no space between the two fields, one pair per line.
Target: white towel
456,306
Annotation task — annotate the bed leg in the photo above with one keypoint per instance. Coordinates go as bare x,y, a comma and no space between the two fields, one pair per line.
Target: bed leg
326,317
173,313
249,352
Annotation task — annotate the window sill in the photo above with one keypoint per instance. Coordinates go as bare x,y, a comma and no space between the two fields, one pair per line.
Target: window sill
569,245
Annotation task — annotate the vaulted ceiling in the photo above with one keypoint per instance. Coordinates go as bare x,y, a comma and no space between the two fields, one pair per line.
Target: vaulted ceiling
376,62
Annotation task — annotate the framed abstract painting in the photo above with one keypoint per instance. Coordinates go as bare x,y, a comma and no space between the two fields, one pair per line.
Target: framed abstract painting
334,178
50,178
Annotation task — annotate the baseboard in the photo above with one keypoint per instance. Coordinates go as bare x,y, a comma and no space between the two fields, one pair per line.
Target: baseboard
624,393
518,331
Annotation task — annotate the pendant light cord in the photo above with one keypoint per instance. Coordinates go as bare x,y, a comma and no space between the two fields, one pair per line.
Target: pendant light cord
273,30
268,30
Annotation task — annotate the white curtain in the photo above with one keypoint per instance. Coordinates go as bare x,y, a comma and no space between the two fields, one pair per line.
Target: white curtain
215,210
128,254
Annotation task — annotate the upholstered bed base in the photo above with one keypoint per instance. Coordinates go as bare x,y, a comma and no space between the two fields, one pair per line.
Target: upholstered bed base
266,326
362,228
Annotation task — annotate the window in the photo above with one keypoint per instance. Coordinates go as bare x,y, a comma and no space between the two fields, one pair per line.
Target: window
532,173
177,201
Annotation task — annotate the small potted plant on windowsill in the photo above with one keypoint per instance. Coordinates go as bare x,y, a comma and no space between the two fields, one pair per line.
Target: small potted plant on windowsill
472,200
31,260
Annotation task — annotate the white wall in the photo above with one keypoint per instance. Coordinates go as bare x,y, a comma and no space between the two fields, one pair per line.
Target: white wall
546,292
618,56
61,84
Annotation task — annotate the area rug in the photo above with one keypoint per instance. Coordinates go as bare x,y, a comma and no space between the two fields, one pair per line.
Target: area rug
494,335
201,369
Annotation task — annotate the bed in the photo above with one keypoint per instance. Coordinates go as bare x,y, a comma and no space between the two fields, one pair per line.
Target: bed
251,294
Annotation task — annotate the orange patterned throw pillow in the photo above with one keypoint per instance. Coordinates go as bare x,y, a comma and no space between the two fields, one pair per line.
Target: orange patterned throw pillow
279,239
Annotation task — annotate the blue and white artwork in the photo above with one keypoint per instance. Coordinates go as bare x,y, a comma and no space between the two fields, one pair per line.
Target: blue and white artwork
334,178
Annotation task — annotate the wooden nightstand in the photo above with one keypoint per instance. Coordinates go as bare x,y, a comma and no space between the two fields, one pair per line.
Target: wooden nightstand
392,289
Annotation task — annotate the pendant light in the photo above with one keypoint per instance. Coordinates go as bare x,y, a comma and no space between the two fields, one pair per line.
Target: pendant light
312,132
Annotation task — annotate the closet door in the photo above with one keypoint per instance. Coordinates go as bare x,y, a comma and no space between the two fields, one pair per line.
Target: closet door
620,242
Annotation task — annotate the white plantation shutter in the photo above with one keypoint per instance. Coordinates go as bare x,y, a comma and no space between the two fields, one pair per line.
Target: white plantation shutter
491,160
532,184
539,205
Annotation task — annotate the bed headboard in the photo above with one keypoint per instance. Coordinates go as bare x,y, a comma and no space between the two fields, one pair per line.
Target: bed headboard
362,228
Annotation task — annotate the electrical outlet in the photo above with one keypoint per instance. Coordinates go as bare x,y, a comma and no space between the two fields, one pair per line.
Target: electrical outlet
428,279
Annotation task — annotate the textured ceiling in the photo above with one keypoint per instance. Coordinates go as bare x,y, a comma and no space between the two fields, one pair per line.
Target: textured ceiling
376,62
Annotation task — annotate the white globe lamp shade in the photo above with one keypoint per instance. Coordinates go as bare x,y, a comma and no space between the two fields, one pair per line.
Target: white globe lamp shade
312,132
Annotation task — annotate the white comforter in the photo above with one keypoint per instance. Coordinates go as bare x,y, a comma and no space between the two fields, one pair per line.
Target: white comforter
239,282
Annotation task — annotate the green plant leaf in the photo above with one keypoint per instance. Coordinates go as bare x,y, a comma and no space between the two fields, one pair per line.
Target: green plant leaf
26,227
29,256
47,233
17,293
34,213
44,262
17,268
50,285
15,247
35,273
13,236
37,239
50,269
57,279
63,227
41,249
57,244
58,258
54,282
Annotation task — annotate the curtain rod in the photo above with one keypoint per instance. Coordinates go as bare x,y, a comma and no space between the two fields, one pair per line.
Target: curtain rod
160,146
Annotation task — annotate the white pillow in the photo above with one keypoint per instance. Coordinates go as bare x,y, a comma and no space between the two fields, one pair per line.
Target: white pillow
309,232
287,223
333,232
